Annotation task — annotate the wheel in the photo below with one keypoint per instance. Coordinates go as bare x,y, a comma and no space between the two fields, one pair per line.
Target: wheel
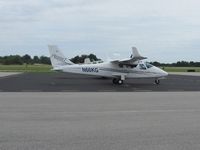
120,82
157,81
115,81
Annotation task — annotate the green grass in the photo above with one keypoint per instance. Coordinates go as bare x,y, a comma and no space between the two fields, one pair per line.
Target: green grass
47,68
180,69
25,68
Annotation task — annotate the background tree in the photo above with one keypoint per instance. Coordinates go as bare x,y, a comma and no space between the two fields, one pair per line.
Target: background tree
1,60
80,59
75,60
93,57
45,60
27,59
12,59
36,60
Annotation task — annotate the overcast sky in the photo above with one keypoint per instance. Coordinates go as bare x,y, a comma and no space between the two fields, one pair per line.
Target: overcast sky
163,30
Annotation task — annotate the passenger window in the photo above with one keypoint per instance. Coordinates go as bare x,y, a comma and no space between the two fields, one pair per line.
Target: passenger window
142,67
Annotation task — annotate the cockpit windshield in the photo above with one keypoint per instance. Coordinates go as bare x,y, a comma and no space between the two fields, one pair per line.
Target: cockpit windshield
144,66
148,65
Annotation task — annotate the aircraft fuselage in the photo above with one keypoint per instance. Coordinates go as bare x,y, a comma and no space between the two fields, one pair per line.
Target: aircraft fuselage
111,70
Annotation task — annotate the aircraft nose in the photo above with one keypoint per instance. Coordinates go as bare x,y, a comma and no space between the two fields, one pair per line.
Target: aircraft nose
164,73
160,72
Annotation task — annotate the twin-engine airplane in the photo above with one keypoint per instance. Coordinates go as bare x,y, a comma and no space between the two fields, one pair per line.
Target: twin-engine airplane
118,70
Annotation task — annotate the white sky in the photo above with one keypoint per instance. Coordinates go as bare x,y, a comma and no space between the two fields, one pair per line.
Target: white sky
163,30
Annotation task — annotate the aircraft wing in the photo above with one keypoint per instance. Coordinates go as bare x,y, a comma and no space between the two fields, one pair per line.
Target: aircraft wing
134,57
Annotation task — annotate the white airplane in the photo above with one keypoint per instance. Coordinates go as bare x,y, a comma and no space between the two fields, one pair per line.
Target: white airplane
118,70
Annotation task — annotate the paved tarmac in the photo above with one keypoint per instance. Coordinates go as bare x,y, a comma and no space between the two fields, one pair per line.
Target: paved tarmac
6,74
186,73
65,82
100,121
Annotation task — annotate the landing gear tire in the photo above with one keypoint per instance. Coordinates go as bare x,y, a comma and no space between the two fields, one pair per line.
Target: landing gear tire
157,81
118,81
115,81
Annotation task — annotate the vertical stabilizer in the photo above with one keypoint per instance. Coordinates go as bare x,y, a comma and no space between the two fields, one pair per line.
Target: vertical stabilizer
57,57
136,54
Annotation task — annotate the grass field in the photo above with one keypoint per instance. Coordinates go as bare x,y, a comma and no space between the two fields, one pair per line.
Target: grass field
47,68
180,69
25,68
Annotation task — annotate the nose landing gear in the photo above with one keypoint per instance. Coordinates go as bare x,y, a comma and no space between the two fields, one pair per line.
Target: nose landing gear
157,81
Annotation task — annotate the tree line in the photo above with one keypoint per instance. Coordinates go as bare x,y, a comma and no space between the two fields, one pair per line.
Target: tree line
177,64
81,59
27,59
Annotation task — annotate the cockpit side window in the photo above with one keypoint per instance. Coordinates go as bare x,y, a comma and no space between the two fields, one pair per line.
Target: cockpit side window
127,65
142,67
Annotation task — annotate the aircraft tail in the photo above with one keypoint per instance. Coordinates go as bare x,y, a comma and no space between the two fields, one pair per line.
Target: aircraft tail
136,54
57,57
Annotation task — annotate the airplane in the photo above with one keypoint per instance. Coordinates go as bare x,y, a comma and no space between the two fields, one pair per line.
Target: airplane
117,70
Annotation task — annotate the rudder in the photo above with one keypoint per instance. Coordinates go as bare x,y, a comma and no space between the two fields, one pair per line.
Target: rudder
57,57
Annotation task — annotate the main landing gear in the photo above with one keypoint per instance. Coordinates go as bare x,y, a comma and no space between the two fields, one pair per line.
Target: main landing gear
118,81
157,81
